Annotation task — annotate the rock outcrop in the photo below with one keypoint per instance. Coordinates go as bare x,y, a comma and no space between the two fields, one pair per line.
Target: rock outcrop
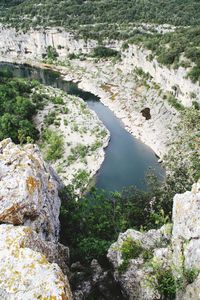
28,190
29,248
135,278
25,269
163,253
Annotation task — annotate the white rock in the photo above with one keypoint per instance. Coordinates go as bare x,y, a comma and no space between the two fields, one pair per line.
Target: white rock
26,274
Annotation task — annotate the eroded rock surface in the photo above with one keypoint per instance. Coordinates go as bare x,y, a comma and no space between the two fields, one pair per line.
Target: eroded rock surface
30,255
25,271
28,190
135,279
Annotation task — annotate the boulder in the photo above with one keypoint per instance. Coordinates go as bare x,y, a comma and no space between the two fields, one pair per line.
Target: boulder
178,253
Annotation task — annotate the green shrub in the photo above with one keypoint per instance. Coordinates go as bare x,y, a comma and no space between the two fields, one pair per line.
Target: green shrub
17,109
57,100
191,274
52,53
132,249
49,119
166,284
103,52
175,103
53,145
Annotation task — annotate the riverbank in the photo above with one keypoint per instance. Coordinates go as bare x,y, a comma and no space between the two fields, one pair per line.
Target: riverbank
79,135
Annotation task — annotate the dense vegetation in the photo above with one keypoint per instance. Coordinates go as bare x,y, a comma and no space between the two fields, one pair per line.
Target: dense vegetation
123,20
17,109
90,225
179,48
73,13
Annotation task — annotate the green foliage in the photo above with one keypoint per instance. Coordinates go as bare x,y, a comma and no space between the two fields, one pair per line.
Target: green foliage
194,73
174,102
162,280
166,284
117,20
81,179
52,54
101,216
103,13
53,145
49,119
16,108
132,249
186,169
191,274
103,52
57,100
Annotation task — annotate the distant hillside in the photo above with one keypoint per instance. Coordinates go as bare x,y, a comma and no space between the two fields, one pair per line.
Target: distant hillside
123,20
72,13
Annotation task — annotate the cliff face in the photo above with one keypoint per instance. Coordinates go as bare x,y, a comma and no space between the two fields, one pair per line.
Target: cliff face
33,44
161,252
28,252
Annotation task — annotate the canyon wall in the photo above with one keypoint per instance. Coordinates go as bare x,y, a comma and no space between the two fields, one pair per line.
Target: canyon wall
33,45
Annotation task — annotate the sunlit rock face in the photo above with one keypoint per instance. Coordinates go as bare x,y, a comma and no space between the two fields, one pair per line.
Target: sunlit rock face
25,271
186,238
32,262
135,278
28,190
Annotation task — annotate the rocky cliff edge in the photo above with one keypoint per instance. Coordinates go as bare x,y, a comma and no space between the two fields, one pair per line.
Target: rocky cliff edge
29,230
163,263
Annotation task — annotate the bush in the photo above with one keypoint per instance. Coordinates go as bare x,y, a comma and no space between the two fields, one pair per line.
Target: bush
175,103
166,284
191,274
17,109
132,249
53,145
52,54
101,216
103,52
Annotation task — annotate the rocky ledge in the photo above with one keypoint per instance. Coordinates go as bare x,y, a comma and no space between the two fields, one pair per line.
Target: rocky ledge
30,256
144,262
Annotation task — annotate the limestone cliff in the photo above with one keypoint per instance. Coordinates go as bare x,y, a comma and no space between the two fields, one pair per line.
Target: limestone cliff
29,252
159,253
33,44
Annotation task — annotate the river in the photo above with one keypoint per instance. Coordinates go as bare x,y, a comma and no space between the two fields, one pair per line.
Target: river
127,159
